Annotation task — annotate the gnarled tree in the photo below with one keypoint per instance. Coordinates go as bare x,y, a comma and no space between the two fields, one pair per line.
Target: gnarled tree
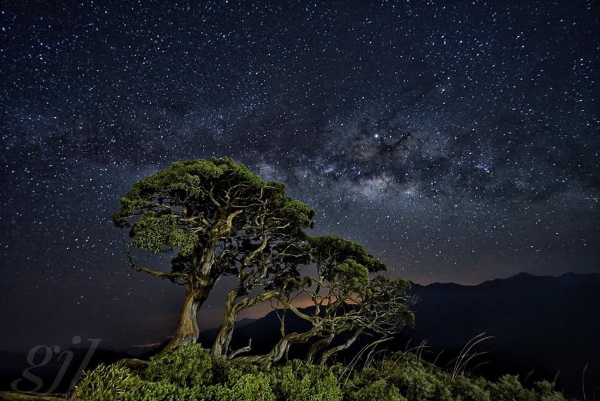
344,300
218,216
268,276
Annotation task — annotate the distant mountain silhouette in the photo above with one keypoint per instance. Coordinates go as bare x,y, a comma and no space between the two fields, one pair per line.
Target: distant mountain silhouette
549,324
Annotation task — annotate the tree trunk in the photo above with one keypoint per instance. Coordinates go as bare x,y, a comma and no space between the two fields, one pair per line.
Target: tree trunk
221,345
282,346
199,285
232,311
274,355
332,351
187,331
317,347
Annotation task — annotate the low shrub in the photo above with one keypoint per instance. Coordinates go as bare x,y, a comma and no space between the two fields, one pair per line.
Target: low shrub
103,381
191,374
300,381
189,366
380,390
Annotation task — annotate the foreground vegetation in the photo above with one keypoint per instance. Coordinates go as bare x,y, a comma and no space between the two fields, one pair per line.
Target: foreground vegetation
191,373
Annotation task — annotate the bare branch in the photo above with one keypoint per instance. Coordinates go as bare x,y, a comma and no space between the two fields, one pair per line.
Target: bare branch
153,272
242,350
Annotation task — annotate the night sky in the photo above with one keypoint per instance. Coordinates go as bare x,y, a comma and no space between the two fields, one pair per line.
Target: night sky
457,140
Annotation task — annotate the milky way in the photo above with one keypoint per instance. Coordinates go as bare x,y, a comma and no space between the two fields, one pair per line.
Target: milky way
458,141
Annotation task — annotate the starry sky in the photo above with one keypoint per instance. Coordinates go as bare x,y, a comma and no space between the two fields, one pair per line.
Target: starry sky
457,140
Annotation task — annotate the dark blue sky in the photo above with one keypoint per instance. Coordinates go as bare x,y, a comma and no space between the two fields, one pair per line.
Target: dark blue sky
457,140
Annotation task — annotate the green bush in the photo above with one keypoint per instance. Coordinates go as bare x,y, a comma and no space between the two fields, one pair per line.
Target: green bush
249,387
420,381
103,381
546,391
191,374
508,388
299,381
228,371
117,383
379,390
140,390
464,388
414,380
189,366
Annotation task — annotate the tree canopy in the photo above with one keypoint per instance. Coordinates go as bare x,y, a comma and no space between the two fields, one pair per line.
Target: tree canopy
217,215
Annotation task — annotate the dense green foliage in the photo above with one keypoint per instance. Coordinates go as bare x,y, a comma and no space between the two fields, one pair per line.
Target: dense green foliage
187,205
190,373
188,367
416,380
330,250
